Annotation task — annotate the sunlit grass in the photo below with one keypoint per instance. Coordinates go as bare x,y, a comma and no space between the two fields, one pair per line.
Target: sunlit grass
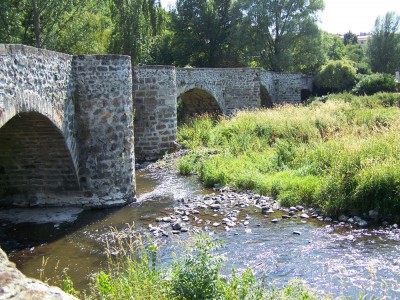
340,155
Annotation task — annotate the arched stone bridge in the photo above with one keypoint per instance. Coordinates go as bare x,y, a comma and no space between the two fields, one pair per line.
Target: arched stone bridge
66,134
66,122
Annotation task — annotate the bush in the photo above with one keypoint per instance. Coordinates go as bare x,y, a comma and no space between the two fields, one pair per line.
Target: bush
335,77
374,83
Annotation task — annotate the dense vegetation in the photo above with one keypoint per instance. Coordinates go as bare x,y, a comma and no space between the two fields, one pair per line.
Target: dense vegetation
340,153
277,35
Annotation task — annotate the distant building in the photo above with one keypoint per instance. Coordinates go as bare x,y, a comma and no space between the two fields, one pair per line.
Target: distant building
362,38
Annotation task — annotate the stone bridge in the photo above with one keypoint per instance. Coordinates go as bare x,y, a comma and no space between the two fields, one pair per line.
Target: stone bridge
157,88
66,122
66,134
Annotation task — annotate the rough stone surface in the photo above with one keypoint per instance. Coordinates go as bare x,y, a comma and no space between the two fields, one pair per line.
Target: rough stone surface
286,87
155,111
66,129
233,88
14,285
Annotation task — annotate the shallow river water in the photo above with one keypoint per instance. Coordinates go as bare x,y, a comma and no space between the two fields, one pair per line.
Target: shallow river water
332,260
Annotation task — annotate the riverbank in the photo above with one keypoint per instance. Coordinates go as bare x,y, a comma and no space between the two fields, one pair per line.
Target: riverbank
340,155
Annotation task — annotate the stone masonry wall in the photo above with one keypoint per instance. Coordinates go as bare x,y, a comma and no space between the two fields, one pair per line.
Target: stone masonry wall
67,116
233,89
33,158
285,87
38,80
104,114
155,111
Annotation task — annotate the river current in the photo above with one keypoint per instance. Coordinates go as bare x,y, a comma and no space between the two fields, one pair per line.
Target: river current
331,260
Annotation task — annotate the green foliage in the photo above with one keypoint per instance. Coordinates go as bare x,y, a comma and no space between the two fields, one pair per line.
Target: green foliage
201,33
374,83
274,32
137,23
384,44
333,46
335,77
197,274
350,38
341,155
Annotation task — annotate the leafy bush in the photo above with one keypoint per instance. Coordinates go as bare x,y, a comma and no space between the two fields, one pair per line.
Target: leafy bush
374,83
335,77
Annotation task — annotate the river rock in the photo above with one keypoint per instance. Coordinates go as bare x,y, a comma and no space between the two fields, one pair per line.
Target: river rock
275,220
362,223
343,218
176,226
167,219
304,216
373,214
14,285
296,232
286,217
215,206
266,210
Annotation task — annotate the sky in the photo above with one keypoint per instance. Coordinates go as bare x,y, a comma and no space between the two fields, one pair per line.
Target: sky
341,16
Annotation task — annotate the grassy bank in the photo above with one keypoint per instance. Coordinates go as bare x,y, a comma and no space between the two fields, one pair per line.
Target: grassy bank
341,155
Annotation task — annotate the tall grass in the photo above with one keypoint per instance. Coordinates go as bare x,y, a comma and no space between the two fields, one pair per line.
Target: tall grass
341,155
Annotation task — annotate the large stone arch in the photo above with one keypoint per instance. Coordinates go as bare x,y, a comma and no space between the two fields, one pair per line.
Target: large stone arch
195,102
35,161
87,100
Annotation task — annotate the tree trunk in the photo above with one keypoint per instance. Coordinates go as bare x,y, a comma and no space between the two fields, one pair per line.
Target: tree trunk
36,24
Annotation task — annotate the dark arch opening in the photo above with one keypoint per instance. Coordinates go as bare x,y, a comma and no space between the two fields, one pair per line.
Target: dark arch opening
196,102
34,159
266,99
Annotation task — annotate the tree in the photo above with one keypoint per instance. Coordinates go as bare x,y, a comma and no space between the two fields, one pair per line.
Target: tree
10,21
44,19
333,46
136,24
274,29
335,76
384,44
76,26
201,32
350,38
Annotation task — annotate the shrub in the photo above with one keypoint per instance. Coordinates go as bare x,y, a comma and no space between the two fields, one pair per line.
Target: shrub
336,76
374,83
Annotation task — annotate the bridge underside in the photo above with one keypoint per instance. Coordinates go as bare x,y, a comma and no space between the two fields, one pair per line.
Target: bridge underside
34,160
196,102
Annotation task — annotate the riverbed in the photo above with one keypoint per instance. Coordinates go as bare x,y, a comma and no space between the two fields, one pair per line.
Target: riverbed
336,260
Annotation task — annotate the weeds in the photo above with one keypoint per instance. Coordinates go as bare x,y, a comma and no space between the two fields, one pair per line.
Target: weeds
341,154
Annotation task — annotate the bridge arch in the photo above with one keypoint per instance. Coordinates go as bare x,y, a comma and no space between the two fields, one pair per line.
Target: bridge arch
34,159
196,101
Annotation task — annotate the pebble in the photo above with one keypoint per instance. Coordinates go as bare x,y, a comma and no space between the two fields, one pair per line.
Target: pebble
215,206
296,232
275,220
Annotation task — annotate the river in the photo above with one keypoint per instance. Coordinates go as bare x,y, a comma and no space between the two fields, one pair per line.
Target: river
340,261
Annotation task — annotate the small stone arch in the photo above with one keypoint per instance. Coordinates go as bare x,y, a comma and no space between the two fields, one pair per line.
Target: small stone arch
34,161
195,102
